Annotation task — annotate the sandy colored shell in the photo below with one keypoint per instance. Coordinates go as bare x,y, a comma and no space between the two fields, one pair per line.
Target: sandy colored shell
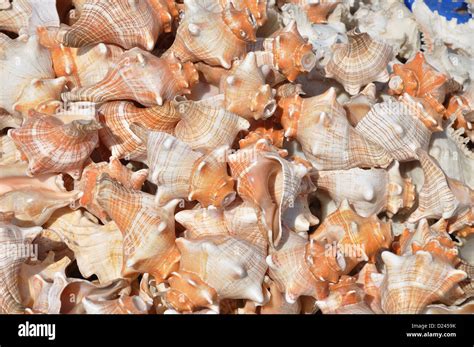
360,238
22,17
204,127
97,248
369,191
301,267
82,66
32,200
148,231
142,77
16,243
287,52
213,37
440,196
124,23
317,11
117,116
123,305
346,65
25,64
52,146
397,127
413,282
92,171
195,177
419,79
247,81
328,140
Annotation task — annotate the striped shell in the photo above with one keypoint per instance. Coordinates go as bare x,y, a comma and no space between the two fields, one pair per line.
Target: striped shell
359,62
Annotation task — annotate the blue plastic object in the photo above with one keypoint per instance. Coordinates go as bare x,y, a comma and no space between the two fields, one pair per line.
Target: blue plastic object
447,8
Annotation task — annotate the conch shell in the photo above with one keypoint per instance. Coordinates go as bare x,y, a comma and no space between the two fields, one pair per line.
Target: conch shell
345,66
215,38
52,146
413,282
248,80
148,230
195,176
123,23
140,76
328,140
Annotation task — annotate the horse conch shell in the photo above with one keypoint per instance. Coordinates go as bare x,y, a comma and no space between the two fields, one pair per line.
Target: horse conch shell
140,76
195,176
328,140
215,38
415,281
345,66
124,23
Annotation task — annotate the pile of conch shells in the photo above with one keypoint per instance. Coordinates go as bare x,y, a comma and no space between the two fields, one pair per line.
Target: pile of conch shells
235,157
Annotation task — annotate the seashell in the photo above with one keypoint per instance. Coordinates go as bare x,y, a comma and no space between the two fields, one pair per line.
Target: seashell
52,146
317,11
287,52
229,265
378,19
247,81
277,303
92,171
369,191
266,130
345,297
454,158
359,238
148,230
9,153
467,308
440,196
214,38
198,126
359,105
117,116
83,66
9,121
370,280
22,17
35,66
123,23
123,305
97,248
413,282
345,66
32,200
398,127
16,249
202,222
328,140
419,79
258,8
434,240
299,267
139,76
269,182
460,109
195,177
